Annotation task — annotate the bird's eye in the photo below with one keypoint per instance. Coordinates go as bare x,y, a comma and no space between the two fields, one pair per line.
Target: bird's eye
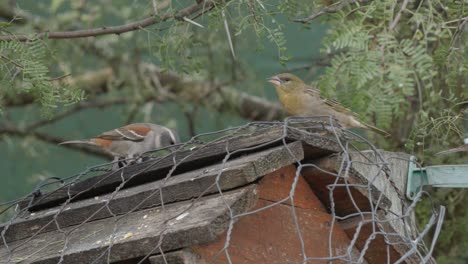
286,79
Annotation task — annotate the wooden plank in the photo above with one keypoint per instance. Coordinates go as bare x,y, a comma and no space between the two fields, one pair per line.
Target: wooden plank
185,256
136,234
315,145
270,235
234,173
379,190
393,185
317,142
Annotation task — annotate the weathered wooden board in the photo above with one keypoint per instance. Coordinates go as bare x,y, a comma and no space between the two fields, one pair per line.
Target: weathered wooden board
314,145
378,191
234,173
393,185
134,235
270,235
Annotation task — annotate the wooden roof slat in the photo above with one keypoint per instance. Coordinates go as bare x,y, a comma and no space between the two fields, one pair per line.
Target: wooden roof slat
136,234
315,145
234,173
377,191
392,185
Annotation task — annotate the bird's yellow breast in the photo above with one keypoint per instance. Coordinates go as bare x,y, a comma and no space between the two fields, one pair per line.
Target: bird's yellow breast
293,103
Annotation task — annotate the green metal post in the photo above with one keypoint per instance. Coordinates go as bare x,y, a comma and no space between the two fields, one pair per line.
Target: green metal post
445,176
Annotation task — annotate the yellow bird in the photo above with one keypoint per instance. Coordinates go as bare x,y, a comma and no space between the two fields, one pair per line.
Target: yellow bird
298,99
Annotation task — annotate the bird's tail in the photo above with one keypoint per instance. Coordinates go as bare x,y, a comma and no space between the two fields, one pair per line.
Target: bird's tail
377,130
84,141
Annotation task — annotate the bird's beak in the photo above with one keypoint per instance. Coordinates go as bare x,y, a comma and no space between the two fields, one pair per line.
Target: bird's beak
275,80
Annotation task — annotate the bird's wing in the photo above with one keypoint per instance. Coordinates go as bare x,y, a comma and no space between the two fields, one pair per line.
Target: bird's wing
340,108
130,132
330,102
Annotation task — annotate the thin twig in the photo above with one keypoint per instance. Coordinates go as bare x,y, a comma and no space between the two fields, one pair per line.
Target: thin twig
455,20
458,32
462,148
186,19
11,61
228,33
398,16
60,77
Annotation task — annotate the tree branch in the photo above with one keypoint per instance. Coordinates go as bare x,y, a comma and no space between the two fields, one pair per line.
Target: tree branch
462,148
170,86
92,83
12,15
398,16
334,8
202,5
14,131
218,97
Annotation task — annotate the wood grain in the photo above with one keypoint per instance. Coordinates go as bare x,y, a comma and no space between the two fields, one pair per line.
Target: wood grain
315,145
136,234
235,173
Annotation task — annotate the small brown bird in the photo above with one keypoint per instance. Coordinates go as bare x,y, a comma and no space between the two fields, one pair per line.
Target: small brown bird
131,140
299,99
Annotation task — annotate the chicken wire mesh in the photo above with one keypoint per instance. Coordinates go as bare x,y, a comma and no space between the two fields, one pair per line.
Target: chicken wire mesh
418,241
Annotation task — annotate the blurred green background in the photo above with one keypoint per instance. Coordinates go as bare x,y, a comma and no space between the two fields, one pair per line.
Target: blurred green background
411,80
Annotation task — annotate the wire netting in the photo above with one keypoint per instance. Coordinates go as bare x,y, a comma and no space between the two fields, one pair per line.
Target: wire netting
352,149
